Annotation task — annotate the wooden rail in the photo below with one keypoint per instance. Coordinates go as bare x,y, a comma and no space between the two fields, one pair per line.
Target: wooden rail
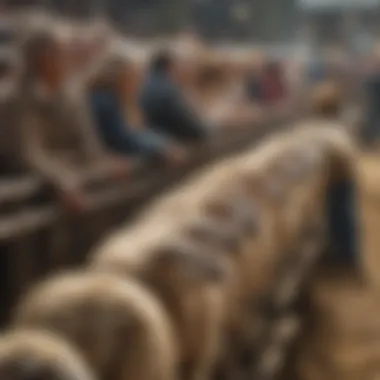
36,239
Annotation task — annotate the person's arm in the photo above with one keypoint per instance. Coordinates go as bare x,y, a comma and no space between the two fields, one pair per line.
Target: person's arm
81,117
144,142
65,181
110,120
185,116
48,166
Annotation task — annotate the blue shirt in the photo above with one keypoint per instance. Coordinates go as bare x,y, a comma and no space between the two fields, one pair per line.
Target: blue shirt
112,127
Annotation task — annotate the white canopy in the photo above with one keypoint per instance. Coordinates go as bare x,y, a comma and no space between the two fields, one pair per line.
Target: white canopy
339,4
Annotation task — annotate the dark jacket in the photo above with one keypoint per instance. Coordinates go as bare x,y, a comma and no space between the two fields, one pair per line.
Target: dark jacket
253,89
114,131
342,221
166,110
371,131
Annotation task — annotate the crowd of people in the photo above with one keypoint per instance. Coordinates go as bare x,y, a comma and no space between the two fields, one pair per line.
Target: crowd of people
83,112
85,106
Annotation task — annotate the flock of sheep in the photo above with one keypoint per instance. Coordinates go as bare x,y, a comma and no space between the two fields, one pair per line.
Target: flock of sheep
178,294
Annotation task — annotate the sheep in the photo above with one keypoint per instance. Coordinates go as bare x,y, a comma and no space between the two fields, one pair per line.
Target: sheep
223,220
199,212
338,150
208,204
185,280
211,237
326,130
267,194
303,171
222,208
329,137
340,155
286,175
336,144
189,195
224,226
117,325
29,354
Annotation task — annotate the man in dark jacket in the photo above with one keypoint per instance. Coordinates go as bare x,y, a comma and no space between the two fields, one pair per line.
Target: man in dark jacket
164,106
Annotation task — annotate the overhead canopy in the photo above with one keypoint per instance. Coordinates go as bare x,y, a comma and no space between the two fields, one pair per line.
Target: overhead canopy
338,4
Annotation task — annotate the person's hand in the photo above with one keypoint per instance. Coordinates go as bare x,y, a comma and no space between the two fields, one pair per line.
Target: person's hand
241,117
117,167
120,167
175,156
72,199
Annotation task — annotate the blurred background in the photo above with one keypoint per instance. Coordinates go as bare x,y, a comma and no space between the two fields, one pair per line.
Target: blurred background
258,21
105,105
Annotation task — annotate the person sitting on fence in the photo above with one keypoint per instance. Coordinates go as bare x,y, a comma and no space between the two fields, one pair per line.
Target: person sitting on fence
114,86
164,106
58,138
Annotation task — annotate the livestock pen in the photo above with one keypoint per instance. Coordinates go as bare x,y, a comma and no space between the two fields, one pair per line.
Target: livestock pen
281,314
37,237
